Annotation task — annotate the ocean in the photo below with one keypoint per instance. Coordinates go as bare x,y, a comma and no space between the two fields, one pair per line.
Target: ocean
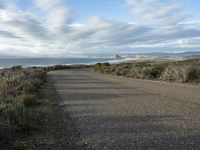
30,62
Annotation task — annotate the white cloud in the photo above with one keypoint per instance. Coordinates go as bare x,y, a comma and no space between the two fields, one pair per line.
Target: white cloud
55,32
58,14
157,12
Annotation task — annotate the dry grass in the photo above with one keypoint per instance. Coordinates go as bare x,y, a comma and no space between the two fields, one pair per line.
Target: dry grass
180,71
24,111
18,100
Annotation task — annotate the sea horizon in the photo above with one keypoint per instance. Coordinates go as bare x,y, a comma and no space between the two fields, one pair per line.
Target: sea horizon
44,62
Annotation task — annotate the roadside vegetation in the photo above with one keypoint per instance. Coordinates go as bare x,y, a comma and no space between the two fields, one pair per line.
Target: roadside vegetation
30,111
172,71
21,109
63,67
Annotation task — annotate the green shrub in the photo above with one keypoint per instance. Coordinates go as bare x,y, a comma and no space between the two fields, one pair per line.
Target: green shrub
157,70
97,67
16,67
102,67
106,64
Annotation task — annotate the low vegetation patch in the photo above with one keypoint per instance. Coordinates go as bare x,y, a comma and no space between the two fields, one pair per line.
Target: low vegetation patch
20,104
182,73
179,71
63,67
25,109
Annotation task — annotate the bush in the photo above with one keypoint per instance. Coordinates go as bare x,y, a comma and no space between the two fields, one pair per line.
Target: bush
102,67
16,67
29,100
63,67
106,64
18,90
139,70
157,70
180,71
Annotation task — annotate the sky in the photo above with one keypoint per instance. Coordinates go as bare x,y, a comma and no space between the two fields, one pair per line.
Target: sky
63,27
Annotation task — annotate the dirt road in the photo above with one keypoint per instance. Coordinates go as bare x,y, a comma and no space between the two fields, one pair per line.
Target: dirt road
115,113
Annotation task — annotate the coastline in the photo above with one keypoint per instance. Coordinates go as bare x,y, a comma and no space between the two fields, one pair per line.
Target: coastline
46,62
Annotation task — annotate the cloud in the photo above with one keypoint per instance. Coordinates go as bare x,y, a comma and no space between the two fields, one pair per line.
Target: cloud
58,14
157,12
7,34
21,24
50,28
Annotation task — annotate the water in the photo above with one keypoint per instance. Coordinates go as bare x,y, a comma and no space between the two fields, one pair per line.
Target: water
29,62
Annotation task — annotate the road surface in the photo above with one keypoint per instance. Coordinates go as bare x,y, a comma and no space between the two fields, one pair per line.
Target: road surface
116,113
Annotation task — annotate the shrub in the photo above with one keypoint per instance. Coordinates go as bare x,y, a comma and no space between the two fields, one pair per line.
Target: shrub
63,67
97,67
181,73
156,70
147,71
102,67
194,74
16,67
106,64
18,93
29,100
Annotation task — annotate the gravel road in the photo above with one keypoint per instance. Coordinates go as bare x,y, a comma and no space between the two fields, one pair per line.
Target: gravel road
116,113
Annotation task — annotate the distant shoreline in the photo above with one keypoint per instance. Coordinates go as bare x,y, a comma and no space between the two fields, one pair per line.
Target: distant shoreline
46,62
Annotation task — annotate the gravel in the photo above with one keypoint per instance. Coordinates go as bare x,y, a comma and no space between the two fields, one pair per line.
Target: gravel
115,113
